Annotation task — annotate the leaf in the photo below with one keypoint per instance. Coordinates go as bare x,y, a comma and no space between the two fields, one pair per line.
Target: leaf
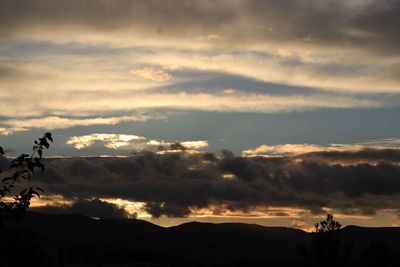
48,136
40,189
33,192
45,143
6,179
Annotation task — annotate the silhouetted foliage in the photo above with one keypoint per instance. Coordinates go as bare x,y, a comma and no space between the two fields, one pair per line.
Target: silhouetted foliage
20,247
327,246
22,168
327,225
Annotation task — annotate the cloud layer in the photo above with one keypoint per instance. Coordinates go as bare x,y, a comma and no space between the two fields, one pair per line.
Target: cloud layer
177,184
328,22
90,63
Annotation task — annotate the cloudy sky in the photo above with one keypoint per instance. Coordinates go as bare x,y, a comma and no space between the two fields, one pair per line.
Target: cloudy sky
282,110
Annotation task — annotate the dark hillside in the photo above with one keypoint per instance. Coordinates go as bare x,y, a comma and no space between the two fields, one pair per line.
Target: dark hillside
84,240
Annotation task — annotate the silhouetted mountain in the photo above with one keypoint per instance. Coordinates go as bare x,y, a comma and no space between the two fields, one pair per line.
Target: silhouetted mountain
363,236
239,241
79,228
84,240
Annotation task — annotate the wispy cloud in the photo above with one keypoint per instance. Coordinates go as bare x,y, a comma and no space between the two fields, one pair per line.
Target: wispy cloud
285,149
305,67
151,73
283,53
111,140
56,122
93,104
10,130
293,149
127,142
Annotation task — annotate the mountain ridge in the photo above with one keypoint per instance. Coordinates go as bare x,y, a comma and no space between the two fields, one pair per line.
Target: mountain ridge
205,242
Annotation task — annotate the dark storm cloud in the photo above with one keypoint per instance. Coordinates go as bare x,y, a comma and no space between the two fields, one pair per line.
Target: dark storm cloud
364,155
173,183
91,208
171,209
354,24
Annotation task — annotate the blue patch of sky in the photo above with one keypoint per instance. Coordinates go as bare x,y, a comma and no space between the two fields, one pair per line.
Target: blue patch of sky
233,131
25,48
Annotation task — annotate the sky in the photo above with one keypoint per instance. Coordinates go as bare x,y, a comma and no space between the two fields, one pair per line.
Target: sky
269,112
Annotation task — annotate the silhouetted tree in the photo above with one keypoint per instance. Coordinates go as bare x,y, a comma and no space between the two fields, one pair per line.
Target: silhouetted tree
22,168
327,246
19,247
327,225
